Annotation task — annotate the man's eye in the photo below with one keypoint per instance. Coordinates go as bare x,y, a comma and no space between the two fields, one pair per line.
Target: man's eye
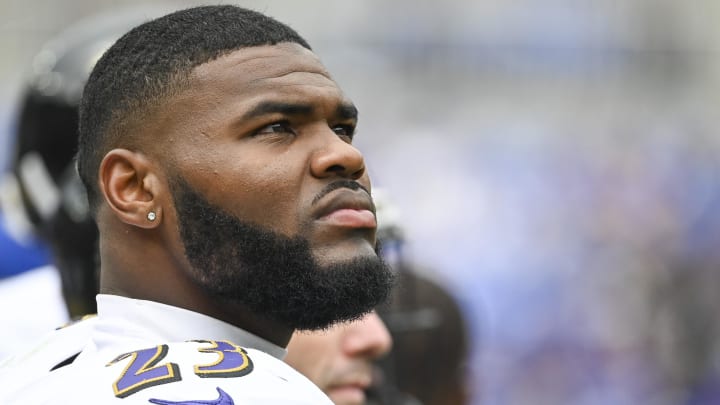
344,130
276,128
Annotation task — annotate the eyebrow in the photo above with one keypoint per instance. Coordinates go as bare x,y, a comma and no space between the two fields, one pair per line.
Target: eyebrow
345,111
274,107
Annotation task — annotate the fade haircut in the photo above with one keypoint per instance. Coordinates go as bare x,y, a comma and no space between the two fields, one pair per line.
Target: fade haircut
153,62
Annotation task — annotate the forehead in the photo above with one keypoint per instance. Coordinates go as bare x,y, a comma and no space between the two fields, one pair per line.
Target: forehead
281,65
220,94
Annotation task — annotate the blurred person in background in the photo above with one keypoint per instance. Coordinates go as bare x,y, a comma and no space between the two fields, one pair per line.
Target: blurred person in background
42,194
428,363
341,359
29,290
431,340
45,213
684,322
19,254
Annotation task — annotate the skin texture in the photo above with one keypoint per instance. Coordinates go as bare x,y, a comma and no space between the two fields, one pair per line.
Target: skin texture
268,166
339,360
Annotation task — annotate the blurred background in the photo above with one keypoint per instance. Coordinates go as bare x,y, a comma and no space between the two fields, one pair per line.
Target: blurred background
556,164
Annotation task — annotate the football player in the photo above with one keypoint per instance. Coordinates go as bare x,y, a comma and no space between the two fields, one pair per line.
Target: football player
232,209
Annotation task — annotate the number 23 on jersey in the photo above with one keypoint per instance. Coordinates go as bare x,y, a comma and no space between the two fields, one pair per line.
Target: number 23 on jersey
145,368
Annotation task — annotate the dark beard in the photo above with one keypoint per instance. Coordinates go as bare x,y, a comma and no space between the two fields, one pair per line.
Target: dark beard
273,275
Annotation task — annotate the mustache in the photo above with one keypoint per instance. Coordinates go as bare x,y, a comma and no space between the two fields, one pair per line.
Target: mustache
352,185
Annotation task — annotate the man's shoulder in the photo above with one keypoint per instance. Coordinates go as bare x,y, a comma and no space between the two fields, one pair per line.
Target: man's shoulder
51,350
41,358
205,370
218,371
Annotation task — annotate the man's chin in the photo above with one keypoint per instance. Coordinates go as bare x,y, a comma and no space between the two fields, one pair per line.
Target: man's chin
347,395
341,292
327,257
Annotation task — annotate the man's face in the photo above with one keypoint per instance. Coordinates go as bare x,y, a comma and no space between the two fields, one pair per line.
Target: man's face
261,133
261,163
339,360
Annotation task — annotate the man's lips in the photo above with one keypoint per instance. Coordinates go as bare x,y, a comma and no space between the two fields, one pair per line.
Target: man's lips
349,392
351,218
347,208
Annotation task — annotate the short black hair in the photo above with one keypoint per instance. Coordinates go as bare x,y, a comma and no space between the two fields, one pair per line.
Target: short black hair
153,62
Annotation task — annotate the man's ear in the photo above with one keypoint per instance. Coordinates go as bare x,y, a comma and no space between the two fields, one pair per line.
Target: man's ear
130,186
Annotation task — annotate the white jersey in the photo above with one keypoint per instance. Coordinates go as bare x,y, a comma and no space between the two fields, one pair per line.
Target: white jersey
142,352
32,306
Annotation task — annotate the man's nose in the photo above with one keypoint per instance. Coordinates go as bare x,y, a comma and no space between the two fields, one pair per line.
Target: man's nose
368,337
336,157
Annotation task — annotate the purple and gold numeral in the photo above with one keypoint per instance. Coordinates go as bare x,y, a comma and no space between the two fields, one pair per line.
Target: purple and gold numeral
232,360
143,372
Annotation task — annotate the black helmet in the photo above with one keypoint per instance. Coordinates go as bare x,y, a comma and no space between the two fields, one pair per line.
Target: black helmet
43,194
